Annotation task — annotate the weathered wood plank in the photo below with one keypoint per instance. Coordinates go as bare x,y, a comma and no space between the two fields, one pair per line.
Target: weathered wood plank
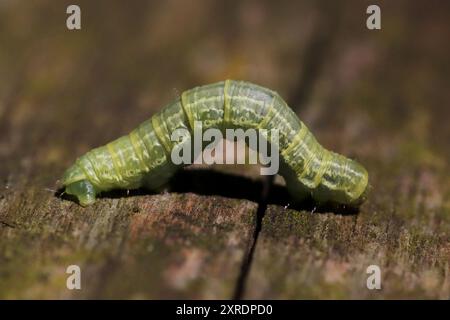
375,96
161,246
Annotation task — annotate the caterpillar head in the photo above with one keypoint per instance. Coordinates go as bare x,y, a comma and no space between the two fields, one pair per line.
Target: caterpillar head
77,185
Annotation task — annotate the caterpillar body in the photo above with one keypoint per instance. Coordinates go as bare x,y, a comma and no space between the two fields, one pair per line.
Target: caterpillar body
142,158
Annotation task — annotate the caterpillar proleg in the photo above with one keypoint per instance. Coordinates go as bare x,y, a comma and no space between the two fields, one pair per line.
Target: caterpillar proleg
142,158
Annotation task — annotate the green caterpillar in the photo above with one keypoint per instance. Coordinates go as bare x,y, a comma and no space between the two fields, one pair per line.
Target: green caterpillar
142,158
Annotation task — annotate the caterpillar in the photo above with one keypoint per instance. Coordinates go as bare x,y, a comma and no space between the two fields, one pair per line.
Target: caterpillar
141,158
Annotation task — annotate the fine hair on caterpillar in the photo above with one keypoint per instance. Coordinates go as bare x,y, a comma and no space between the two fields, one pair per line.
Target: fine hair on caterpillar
144,157
188,149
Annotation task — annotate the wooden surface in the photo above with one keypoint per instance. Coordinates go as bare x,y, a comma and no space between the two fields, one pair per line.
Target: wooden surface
378,96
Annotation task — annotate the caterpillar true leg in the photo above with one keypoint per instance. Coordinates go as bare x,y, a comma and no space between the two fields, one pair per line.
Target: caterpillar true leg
83,190
142,158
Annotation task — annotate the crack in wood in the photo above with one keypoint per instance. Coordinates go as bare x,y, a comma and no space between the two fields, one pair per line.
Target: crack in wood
6,224
247,262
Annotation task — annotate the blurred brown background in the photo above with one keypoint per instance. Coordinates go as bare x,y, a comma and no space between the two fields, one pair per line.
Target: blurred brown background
381,97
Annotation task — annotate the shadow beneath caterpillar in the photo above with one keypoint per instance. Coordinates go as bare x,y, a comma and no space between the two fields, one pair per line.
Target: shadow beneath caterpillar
210,182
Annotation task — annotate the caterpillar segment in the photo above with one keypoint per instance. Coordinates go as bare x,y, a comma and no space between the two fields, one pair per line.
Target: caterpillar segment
142,158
